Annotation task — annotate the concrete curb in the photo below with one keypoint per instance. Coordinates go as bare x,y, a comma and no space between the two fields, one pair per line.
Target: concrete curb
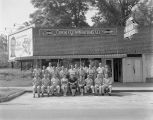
132,90
10,97
115,90
17,94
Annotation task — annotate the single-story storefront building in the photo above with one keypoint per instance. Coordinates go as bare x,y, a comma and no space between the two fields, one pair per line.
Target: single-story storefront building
130,60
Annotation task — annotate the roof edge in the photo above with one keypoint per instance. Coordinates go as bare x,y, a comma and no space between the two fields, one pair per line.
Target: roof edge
23,29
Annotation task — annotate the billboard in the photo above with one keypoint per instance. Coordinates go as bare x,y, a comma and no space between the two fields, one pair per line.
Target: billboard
20,44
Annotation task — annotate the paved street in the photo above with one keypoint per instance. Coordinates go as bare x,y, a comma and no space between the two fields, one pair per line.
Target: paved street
119,106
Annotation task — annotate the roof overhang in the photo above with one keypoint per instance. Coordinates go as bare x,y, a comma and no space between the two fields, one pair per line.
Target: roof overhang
72,56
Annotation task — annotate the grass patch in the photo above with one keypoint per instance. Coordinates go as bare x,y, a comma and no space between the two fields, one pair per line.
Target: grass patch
5,92
15,78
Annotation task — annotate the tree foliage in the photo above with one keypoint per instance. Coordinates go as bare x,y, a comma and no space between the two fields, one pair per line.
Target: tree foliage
3,42
143,13
63,13
113,12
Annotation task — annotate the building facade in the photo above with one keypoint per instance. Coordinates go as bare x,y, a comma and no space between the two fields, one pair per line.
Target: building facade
130,60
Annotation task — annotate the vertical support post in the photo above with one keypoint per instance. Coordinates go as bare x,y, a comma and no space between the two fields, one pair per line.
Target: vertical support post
112,69
80,62
21,66
40,63
12,65
58,62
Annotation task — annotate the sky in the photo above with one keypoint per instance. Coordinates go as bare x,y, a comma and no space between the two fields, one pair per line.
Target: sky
17,12
14,12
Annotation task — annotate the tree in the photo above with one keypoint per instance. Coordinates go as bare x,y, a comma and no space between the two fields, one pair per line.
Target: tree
143,13
63,13
3,42
113,12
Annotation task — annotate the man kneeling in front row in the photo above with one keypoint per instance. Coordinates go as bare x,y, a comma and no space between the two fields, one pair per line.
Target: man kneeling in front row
45,85
55,84
107,85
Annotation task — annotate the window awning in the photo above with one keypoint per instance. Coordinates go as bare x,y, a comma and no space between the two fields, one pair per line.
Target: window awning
72,56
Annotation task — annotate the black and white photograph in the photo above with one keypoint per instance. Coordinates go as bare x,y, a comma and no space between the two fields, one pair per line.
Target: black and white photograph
76,59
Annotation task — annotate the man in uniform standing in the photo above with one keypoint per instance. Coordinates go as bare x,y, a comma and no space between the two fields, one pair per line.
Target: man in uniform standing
82,72
50,70
91,72
44,71
100,70
37,71
76,69
72,71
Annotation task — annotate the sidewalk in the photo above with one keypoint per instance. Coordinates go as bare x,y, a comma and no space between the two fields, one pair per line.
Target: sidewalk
133,87
117,87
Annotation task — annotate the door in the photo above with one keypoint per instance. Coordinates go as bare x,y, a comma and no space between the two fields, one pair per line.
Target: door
138,70
132,70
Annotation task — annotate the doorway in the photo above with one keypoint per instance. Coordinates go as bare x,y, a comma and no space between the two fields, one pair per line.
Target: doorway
109,63
117,65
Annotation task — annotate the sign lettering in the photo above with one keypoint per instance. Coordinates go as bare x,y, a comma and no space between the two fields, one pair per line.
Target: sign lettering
77,32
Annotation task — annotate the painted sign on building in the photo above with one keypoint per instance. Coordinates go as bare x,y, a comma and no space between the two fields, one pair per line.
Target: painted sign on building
20,44
78,32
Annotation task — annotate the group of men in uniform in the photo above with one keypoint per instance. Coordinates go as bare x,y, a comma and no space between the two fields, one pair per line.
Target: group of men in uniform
81,79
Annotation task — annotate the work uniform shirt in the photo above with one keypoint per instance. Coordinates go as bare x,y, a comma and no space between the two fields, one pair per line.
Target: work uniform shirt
46,82
56,73
64,81
91,72
98,81
50,69
100,70
107,81
89,82
107,71
76,72
62,73
37,71
54,81
81,82
82,72
71,71
44,71
73,82
37,81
